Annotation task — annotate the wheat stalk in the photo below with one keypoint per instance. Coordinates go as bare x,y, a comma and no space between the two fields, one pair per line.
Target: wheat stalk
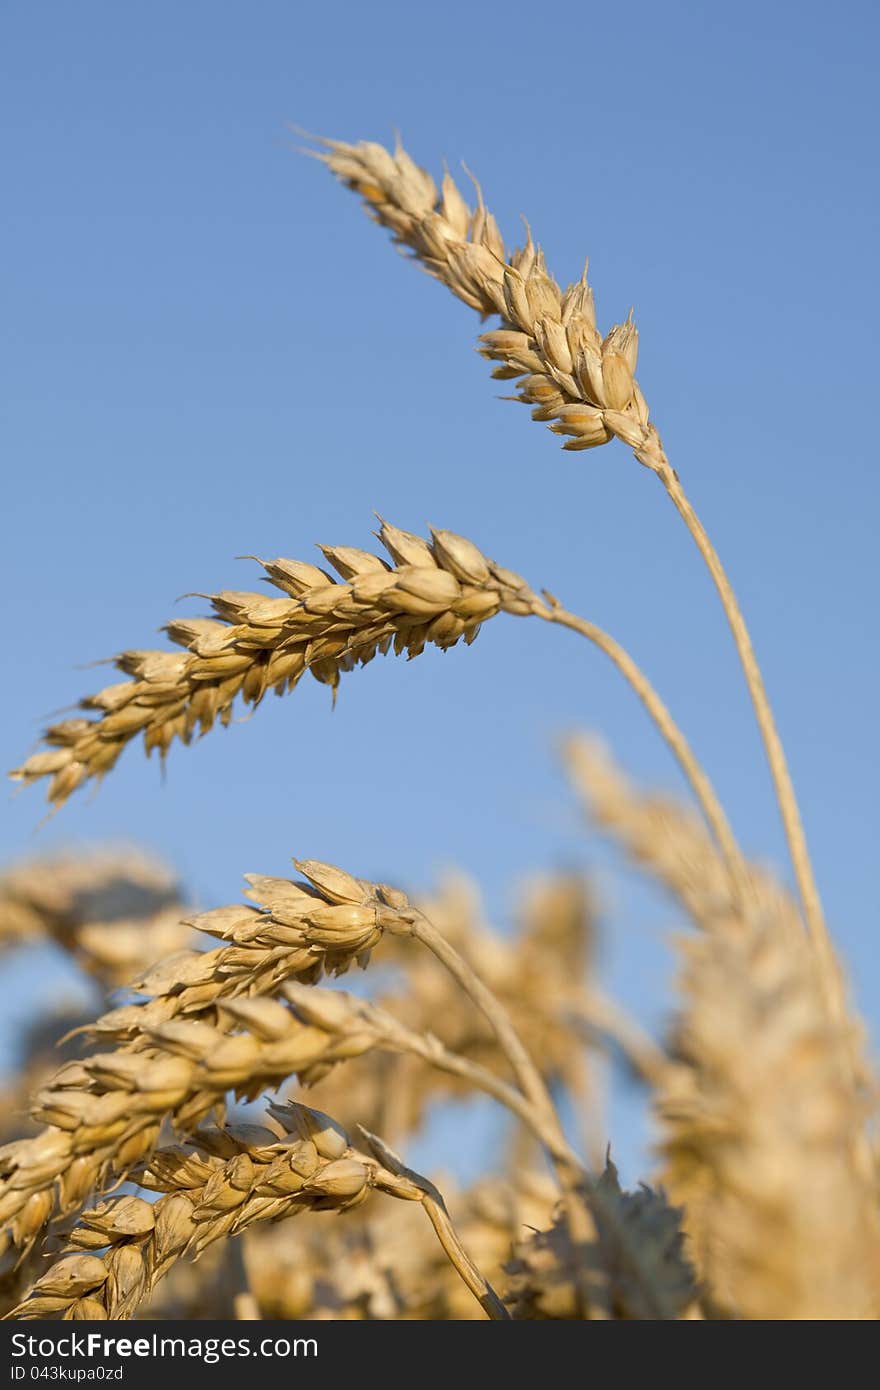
538,976
586,1205
582,384
382,1261
220,1184
358,1025
437,592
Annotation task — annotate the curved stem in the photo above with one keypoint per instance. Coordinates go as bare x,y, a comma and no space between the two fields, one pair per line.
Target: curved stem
528,1077
397,1035
785,794
584,1202
437,1213
553,612
460,1260
575,1181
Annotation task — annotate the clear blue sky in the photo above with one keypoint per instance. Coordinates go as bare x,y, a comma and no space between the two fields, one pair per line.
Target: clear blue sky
208,350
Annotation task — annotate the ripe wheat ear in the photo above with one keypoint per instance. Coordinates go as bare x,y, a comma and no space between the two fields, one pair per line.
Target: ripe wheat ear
219,1184
430,592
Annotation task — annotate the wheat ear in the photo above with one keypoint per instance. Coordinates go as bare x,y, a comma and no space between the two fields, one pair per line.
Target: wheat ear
429,593
221,1183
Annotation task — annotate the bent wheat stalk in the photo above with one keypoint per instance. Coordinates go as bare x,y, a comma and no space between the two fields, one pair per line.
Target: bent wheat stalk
579,1191
779,770
581,384
434,592
221,1183
528,1077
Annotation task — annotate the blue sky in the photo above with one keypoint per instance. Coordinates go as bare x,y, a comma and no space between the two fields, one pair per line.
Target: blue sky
209,351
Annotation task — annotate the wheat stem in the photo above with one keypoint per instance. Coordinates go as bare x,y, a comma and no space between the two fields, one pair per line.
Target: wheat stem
681,750
436,1211
345,1014
779,771
584,1203
527,1075
571,1174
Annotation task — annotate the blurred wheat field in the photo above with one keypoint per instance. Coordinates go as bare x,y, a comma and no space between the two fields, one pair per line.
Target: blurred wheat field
763,1201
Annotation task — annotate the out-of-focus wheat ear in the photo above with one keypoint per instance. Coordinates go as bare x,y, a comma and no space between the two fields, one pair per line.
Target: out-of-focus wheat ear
658,834
762,1114
636,1266
763,1129
116,911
